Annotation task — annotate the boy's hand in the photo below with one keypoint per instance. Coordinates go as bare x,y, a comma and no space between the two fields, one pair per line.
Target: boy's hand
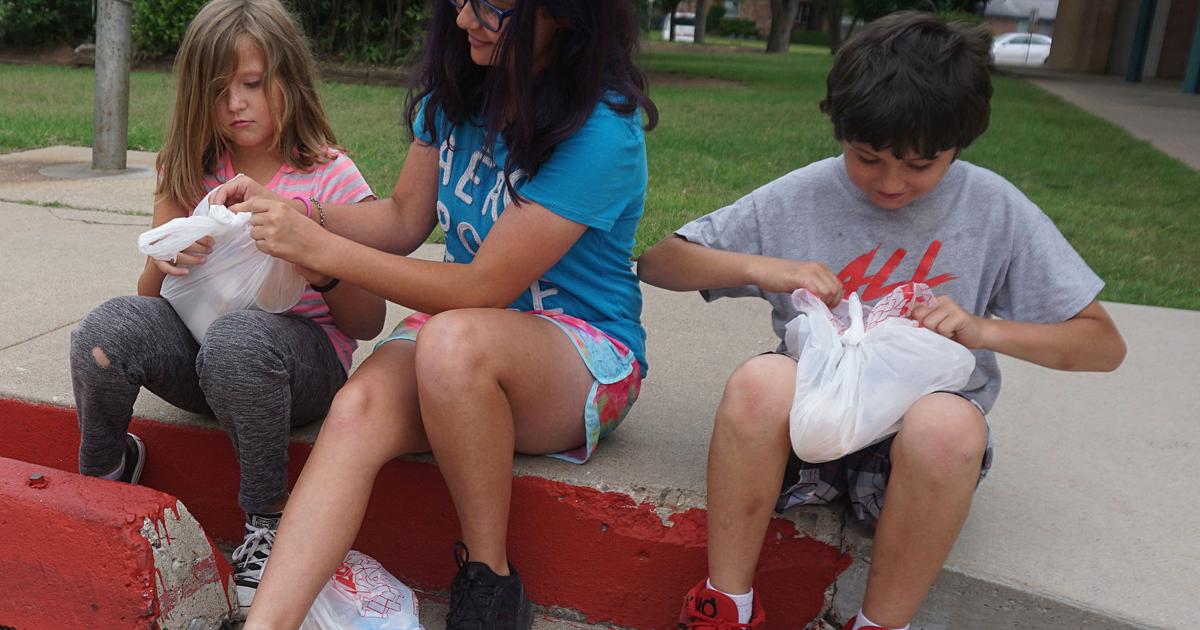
946,318
779,275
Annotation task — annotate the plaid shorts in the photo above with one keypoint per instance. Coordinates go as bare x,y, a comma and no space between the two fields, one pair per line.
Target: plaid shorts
861,477
616,372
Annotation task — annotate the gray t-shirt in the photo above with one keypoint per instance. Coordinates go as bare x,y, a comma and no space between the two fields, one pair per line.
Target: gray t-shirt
974,238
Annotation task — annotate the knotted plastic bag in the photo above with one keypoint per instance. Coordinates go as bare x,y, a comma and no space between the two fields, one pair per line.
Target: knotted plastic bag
858,370
236,276
362,595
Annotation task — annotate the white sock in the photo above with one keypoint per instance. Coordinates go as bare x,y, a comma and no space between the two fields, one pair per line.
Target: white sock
861,621
116,472
744,602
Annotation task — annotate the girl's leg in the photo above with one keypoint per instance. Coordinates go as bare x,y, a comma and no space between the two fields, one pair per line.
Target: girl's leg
746,462
263,374
491,382
373,419
935,467
122,345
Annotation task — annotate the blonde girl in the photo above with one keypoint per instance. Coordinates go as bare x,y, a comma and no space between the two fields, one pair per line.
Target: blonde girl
245,103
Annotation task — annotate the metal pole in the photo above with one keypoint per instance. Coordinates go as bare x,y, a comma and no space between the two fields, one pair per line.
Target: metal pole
110,119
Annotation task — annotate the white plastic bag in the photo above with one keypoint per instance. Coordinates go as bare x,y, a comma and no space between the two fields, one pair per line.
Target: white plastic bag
235,277
858,370
362,595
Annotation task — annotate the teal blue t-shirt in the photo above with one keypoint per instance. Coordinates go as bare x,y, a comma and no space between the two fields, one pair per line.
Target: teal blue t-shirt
596,177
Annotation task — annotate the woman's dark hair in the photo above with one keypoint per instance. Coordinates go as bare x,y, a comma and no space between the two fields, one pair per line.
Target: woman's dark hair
911,82
592,60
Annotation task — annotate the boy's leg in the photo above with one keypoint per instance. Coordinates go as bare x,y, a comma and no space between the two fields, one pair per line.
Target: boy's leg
746,461
492,382
124,344
936,459
374,418
262,374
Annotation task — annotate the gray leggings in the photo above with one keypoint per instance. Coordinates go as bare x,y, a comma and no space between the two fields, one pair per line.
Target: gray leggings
260,374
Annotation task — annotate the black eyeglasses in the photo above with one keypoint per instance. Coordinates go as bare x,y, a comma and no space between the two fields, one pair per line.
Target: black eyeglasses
490,16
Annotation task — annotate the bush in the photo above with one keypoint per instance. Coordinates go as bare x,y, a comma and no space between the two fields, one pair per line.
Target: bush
712,21
970,17
811,38
738,27
41,22
159,25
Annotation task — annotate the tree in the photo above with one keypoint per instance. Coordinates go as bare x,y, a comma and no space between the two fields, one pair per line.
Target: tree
783,16
701,20
833,16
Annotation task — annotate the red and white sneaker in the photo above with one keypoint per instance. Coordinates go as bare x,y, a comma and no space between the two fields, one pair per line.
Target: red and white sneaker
850,625
707,609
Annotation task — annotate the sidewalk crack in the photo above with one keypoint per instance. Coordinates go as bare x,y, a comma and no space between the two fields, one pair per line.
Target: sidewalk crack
40,335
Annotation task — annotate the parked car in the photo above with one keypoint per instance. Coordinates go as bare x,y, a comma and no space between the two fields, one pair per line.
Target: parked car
685,27
1020,49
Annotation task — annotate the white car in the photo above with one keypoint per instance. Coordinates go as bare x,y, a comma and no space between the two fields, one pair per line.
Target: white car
685,27
1020,49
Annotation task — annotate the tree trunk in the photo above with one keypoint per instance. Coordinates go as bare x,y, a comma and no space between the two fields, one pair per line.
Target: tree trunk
783,16
672,18
701,20
833,12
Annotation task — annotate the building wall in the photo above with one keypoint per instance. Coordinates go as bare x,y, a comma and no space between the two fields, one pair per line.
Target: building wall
1177,39
1083,35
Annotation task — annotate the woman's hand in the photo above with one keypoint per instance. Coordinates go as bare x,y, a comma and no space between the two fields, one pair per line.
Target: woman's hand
281,232
946,318
313,278
194,255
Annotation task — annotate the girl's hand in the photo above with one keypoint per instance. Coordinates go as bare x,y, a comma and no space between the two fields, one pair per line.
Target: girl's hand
279,231
194,255
239,189
779,275
946,318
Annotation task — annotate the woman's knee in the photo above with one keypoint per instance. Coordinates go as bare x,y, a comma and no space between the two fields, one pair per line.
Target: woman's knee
943,435
450,343
758,397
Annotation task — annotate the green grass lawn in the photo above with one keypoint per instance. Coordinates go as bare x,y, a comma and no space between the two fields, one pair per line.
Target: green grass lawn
733,120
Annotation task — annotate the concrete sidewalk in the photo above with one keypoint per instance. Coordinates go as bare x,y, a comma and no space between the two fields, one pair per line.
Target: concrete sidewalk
1087,519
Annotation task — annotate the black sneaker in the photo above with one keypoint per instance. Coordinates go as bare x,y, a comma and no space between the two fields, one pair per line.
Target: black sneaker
250,558
135,459
482,600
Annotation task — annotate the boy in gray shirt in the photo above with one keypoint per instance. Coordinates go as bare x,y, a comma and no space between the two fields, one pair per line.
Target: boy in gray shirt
905,96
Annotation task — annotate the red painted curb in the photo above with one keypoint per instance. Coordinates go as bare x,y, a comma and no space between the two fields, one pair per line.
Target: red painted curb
73,553
600,553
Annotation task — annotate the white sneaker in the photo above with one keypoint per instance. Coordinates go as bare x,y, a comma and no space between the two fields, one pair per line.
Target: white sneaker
250,558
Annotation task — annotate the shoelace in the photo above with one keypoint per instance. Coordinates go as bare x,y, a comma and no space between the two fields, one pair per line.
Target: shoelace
244,554
470,597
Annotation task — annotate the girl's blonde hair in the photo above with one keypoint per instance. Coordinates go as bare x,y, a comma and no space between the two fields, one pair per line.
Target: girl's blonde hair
204,67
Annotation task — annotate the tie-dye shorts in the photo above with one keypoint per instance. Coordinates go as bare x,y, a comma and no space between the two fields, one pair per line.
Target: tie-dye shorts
615,370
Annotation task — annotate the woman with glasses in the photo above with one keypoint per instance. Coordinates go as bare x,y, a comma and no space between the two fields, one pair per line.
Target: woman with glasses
528,152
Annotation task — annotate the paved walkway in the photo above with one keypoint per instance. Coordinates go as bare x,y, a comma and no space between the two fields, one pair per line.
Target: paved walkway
1156,111
1092,501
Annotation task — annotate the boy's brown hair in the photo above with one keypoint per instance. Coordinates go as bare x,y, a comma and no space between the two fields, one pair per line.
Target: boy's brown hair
911,82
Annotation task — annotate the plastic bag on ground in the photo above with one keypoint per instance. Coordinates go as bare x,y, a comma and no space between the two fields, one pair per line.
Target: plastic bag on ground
236,276
858,370
362,595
